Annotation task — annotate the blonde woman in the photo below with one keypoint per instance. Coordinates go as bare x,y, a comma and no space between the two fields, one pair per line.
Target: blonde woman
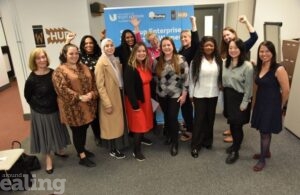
47,133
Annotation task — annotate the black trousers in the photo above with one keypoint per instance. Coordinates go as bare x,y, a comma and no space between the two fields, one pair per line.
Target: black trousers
187,113
96,126
205,112
237,136
79,137
170,108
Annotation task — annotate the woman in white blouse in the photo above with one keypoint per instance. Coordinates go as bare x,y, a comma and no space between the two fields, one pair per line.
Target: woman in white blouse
205,79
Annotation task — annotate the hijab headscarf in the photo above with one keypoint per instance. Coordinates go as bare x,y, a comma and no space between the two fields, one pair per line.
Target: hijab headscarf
114,61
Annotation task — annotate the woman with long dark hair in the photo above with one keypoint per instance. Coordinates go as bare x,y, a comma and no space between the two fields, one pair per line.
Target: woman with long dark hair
237,80
89,55
229,34
271,97
205,80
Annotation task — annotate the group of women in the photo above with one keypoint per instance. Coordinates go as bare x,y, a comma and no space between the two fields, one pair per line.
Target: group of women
110,88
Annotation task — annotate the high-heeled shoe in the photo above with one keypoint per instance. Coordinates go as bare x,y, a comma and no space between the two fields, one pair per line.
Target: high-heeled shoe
50,171
232,157
174,149
61,155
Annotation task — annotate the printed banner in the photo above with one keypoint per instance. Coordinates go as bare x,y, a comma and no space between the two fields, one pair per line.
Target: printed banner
163,20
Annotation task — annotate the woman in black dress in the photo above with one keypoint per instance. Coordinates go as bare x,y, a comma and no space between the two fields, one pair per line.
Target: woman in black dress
271,97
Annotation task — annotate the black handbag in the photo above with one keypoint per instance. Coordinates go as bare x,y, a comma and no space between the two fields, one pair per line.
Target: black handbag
30,161
20,177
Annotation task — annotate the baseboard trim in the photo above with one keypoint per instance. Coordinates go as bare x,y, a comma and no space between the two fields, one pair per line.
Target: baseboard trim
26,117
5,86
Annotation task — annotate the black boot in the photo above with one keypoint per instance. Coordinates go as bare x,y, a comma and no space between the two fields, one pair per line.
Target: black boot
168,141
232,157
174,149
137,151
229,149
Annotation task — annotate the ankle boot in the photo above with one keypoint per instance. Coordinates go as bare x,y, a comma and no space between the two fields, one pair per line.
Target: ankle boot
232,157
174,149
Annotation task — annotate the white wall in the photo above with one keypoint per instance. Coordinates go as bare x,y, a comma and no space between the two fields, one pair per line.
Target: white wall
18,16
286,12
3,72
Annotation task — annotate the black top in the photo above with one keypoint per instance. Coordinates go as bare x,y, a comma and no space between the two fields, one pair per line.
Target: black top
189,53
123,52
133,86
90,60
40,94
251,41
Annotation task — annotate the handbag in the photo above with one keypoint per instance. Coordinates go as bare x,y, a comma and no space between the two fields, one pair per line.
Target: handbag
18,178
31,162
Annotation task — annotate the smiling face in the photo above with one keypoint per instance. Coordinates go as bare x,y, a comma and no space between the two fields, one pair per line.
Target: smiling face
89,45
109,48
153,40
141,53
129,39
72,55
41,61
228,36
167,47
265,54
186,39
208,48
233,50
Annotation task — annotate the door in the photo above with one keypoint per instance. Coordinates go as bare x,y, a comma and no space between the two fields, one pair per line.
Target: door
6,53
210,21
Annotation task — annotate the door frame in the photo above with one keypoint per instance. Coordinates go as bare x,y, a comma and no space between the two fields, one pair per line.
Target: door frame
220,18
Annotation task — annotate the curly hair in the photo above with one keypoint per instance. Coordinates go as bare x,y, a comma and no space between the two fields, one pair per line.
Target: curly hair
96,51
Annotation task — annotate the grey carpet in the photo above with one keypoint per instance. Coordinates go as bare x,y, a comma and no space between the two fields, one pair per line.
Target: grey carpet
161,173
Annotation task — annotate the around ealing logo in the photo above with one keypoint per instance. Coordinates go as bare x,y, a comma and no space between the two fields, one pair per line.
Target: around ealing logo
23,182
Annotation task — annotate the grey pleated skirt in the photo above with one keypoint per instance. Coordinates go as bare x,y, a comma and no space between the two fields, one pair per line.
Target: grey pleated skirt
47,133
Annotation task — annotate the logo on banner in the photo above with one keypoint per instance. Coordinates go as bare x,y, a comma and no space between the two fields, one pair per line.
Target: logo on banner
175,15
113,17
152,15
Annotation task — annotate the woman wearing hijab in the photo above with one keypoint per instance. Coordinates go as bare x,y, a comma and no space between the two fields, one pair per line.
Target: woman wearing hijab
109,83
